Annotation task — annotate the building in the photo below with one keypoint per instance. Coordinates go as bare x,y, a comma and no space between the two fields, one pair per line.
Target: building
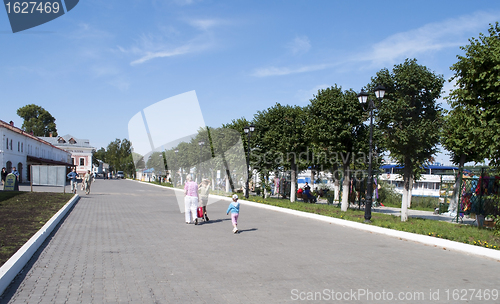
80,149
429,183
21,149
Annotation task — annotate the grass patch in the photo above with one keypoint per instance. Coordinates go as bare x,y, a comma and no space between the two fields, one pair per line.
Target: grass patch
22,214
466,234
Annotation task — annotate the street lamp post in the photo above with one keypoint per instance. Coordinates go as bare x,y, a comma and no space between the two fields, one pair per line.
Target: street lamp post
248,130
201,143
368,106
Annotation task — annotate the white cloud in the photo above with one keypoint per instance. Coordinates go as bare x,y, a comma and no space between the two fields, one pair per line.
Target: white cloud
428,38
150,46
203,24
299,45
276,71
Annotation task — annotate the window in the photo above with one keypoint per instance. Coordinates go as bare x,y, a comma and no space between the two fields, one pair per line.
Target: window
72,161
18,147
7,148
82,161
11,144
22,147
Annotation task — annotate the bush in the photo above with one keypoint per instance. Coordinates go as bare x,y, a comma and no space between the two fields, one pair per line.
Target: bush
388,196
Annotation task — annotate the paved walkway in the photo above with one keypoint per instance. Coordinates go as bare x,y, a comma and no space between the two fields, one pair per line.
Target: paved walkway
127,242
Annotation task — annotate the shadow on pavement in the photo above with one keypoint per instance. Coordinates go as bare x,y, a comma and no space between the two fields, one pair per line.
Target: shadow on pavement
247,230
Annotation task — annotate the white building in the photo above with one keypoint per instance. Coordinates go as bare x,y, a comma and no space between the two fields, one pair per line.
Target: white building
80,149
21,149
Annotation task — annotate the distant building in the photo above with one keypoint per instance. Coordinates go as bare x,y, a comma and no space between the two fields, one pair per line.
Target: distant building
21,149
80,149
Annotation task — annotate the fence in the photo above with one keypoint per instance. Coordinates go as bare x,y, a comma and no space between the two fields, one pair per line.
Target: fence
480,195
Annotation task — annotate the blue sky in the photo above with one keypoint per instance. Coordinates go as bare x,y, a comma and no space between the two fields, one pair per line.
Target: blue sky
101,63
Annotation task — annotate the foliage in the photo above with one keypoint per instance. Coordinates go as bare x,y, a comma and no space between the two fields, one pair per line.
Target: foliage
335,126
119,156
38,120
409,115
99,155
477,76
156,161
462,133
387,196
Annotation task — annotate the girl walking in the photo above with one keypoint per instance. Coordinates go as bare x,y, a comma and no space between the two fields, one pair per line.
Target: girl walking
234,208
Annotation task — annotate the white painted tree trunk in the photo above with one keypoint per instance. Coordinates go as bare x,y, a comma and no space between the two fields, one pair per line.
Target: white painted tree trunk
293,189
404,206
345,192
408,198
227,185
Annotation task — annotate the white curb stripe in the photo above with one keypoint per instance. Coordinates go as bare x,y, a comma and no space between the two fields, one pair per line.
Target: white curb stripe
16,263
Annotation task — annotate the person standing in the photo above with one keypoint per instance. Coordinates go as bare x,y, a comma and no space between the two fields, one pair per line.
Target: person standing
204,192
190,200
234,208
87,180
74,182
16,173
4,175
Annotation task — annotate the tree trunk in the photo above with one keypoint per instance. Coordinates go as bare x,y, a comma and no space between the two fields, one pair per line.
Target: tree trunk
455,200
410,189
345,188
406,190
293,189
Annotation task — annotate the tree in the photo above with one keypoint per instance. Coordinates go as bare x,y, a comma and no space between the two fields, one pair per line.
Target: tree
99,155
477,76
38,120
280,130
409,118
119,156
335,125
156,161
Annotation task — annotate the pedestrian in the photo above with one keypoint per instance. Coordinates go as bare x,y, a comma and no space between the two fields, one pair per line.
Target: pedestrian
204,192
87,181
4,175
234,208
16,173
190,200
74,182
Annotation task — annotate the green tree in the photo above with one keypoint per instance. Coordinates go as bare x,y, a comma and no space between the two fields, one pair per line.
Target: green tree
409,118
335,126
38,120
99,155
119,156
477,76
280,131
157,161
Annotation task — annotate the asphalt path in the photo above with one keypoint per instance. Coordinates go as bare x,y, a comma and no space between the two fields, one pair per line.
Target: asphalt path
127,242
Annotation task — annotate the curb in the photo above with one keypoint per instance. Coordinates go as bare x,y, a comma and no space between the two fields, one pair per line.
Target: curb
16,263
409,236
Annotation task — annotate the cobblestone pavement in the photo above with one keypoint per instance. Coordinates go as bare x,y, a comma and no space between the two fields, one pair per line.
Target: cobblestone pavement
127,242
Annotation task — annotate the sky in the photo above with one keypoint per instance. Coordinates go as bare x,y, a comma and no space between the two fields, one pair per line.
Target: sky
104,61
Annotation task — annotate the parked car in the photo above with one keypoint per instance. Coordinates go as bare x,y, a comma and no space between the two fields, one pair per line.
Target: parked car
119,174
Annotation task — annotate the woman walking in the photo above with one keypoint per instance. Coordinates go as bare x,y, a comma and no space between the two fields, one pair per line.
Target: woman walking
87,181
190,200
204,191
